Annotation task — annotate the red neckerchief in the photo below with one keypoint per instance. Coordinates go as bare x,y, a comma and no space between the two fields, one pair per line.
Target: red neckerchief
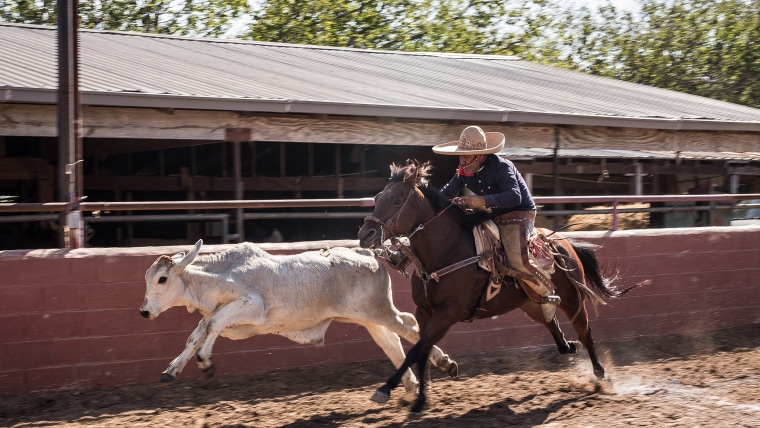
463,173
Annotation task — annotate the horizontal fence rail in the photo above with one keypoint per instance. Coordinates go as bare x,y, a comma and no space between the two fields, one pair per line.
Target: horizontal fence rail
55,211
62,207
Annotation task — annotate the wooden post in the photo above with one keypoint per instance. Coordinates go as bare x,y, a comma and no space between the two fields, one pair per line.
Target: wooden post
236,136
70,186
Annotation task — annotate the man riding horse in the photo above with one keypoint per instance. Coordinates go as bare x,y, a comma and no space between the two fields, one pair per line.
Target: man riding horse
486,181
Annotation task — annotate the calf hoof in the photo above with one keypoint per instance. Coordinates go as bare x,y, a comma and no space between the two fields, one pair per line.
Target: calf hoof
209,371
166,379
380,396
453,370
411,386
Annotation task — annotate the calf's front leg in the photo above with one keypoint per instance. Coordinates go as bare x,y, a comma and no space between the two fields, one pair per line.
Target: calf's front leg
193,343
245,310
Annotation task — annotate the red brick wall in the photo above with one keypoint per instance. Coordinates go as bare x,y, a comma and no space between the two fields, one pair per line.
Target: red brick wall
69,318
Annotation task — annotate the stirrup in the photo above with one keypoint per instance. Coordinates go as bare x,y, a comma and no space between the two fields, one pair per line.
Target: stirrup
551,299
548,310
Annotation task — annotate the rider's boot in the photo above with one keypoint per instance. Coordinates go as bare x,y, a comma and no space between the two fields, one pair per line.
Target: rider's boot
549,306
542,285
512,228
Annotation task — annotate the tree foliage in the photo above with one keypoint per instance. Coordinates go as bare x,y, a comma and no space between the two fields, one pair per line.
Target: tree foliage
410,25
710,49
182,17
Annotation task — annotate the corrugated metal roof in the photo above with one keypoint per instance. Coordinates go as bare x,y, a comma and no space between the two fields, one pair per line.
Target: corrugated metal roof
142,70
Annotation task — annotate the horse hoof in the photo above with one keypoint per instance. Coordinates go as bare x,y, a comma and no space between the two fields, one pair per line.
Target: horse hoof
453,370
166,379
209,371
414,416
599,373
380,397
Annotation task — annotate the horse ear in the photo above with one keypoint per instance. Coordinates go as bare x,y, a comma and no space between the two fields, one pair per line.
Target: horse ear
190,257
425,168
411,174
411,170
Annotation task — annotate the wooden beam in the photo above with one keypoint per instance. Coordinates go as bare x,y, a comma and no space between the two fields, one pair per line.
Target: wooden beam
210,126
227,184
546,168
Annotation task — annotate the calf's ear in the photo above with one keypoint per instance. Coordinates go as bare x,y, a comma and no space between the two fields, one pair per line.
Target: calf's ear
190,257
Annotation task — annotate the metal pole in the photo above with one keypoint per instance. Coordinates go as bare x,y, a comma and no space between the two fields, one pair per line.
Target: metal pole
239,221
236,136
555,174
70,186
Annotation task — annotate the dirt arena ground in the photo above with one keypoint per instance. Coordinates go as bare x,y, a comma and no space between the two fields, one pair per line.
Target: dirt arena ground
709,379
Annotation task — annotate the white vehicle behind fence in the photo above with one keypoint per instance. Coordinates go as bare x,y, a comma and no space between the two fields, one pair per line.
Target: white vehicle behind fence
746,212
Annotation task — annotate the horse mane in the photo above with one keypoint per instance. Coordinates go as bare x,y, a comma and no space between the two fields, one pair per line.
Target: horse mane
421,173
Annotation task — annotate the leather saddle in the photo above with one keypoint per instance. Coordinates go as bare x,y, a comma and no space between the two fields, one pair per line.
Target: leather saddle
541,251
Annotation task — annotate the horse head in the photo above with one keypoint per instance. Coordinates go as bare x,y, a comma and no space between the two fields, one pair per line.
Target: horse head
397,207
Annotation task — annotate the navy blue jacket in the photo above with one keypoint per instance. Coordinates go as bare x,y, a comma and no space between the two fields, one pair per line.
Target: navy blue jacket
501,184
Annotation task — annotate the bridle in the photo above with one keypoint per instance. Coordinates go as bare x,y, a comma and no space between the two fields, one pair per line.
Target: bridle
396,241
393,218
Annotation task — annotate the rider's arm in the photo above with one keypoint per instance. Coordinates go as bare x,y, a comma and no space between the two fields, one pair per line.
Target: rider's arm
507,181
453,188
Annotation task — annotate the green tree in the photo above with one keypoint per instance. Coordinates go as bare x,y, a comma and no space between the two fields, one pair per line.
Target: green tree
38,12
707,48
413,25
190,17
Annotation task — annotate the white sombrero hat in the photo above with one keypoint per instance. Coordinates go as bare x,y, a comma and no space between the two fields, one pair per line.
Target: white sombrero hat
473,141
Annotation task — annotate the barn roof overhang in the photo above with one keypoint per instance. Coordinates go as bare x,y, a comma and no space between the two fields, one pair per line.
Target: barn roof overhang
515,153
289,106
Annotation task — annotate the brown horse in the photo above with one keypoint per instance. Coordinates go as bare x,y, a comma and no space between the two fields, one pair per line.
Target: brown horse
441,241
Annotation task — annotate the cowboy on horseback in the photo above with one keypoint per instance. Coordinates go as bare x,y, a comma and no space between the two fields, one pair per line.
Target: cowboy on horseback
486,181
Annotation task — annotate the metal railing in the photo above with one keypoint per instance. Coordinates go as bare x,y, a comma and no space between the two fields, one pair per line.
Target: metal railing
55,210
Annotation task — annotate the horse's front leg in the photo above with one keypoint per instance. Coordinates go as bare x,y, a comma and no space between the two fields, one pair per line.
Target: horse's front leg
384,392
435,329
419,404
193,343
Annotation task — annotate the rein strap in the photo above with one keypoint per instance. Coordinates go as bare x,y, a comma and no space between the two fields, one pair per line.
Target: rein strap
456,266
440,272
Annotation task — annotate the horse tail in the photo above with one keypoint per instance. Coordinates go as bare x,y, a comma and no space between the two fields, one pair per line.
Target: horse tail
607,285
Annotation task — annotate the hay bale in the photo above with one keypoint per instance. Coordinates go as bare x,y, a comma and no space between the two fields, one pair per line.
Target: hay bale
603,221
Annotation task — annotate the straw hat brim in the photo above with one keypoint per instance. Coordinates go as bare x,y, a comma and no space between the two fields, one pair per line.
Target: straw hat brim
494,144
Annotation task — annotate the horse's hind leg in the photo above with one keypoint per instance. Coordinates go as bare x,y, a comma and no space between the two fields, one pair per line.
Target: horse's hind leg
580,324
533,310
579,319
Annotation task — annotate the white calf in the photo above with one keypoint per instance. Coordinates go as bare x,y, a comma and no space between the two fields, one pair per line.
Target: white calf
246,291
